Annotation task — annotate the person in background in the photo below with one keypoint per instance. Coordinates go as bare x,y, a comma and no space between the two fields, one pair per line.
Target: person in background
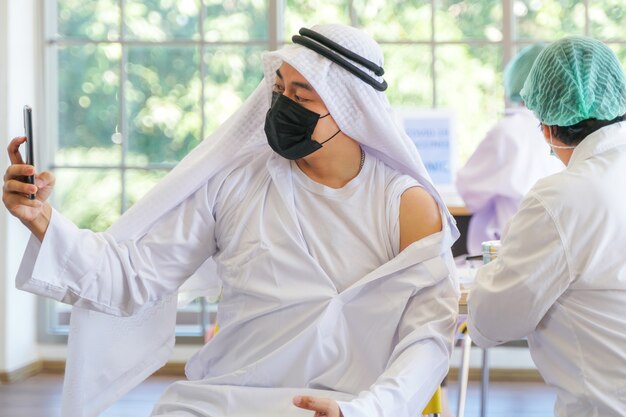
506,163
560,277
332,246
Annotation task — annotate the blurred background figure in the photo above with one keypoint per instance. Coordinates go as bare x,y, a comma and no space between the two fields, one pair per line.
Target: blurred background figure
508,161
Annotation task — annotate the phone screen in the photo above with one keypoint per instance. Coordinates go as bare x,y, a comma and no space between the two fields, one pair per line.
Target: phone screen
30,151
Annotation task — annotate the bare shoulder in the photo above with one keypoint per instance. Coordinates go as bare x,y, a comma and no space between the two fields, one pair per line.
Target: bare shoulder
419,216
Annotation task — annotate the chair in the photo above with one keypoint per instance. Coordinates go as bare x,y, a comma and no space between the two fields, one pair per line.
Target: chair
434,406
464,374
464,368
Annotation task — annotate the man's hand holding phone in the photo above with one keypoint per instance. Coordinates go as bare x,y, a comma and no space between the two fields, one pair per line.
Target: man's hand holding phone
33,211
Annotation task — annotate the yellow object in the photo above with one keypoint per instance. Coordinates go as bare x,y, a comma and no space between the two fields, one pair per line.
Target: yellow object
433,408
463,328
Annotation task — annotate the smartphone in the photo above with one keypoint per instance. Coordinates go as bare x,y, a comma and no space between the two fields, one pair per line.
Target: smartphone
30,151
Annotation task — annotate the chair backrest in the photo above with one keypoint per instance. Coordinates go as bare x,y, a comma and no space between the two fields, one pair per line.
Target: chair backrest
434,406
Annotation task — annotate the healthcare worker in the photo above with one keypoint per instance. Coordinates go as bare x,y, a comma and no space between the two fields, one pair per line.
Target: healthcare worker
507,162
331,244
560,278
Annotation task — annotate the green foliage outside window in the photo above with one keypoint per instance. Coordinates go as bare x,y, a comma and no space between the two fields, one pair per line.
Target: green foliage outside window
167,113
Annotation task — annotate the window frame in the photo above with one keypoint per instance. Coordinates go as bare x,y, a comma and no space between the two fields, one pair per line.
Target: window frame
51,42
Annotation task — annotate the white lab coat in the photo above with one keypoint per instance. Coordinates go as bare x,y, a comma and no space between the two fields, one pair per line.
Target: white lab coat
560,280
381,346
505,165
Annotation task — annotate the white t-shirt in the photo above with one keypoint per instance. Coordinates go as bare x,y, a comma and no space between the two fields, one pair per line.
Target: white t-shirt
362,217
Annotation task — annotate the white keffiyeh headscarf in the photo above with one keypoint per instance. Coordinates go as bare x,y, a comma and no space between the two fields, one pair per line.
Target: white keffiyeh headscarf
108,356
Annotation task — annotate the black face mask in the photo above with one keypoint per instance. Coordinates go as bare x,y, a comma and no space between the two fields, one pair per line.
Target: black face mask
289,126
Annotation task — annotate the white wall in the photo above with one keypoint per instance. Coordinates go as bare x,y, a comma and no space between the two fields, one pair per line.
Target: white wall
56,352
19,65
3,164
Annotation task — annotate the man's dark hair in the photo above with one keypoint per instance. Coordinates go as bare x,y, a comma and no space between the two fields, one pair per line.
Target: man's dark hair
574,134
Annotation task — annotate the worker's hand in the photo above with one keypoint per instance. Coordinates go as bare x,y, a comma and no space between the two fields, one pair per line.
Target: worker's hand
35,214
323,407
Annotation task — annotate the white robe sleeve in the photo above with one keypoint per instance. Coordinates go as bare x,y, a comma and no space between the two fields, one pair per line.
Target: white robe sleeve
420,359
96,272
513,293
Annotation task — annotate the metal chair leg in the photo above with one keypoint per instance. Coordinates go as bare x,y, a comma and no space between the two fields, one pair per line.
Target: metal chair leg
464,374
484,383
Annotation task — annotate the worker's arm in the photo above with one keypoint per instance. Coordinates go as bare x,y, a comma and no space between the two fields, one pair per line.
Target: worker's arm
513,293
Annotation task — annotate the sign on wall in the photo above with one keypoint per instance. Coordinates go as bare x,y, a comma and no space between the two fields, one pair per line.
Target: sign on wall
432,132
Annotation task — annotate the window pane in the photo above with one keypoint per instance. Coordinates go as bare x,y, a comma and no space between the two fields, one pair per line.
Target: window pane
382,20
241,20
464,19
408,75
57,316
608,19
232,75
304,13
195,318
88,197
469,82
620,51
548,19
88,107
89,19
139,182
163,97
157,20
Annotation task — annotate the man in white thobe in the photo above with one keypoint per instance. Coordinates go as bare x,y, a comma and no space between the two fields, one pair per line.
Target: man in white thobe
331,244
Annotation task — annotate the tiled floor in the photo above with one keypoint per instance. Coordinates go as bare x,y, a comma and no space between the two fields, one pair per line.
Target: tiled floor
39,396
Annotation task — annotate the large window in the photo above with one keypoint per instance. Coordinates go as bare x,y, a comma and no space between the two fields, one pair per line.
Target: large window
133,85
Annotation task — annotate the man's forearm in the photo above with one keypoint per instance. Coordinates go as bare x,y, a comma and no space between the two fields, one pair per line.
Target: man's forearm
39,226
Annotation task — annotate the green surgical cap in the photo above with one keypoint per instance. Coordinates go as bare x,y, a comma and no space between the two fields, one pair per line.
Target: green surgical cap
575,79
517,71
